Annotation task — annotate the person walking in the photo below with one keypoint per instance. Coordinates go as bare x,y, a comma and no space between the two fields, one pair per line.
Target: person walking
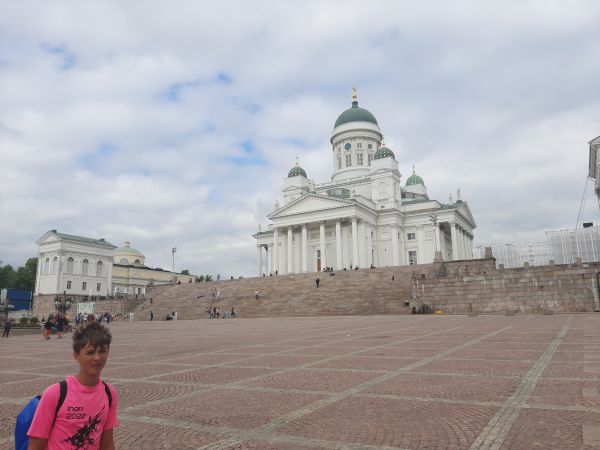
60,327
256,296
7,327
48,328
317,281
151,316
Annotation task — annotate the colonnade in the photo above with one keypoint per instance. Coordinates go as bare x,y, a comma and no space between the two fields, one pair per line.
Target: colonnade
462,242
293,240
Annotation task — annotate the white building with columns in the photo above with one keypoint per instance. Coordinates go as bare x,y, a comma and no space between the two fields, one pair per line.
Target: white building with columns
364,216
73,265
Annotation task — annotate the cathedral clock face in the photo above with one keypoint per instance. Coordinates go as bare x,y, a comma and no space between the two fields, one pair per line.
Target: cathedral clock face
348,146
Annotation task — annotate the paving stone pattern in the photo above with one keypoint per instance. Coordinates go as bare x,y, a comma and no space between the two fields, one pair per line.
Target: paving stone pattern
370,382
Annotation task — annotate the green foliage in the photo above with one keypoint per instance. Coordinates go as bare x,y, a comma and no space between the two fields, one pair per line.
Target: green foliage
34,321
200,278
22,278
23,320
208,278
185,272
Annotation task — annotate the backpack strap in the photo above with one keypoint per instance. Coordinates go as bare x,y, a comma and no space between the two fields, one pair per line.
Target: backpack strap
108,394
61,398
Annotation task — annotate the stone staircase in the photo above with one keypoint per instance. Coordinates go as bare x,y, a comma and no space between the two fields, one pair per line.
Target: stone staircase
356,292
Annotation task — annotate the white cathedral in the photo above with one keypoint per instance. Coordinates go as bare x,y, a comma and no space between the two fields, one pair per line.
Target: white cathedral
364,216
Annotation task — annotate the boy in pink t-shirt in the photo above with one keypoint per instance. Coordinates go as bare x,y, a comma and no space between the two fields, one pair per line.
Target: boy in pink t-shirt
86,418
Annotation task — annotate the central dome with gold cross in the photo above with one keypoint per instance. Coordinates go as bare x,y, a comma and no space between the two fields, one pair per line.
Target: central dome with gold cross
363,215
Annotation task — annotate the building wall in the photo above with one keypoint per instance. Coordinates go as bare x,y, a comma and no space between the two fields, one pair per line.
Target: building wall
477,285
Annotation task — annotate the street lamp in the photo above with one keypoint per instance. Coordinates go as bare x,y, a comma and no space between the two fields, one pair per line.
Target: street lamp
173,250
62,305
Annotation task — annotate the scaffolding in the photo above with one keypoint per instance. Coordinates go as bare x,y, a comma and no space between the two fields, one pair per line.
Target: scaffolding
562,246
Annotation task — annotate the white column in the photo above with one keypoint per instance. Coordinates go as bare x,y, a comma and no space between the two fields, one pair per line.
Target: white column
362,257
354,242
436,231
402,260
41,258
369,232
454,237
269,259
471,247
322,244
304,248
290,259
338,244
259,247
275,251
468,249
394,246
420,246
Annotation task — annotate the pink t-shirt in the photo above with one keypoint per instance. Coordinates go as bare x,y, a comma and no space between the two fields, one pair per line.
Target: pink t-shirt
82,418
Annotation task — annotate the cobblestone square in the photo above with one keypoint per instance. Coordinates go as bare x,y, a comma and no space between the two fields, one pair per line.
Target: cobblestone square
370,382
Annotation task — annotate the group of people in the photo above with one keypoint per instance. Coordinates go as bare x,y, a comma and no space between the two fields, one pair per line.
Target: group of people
81,318
215,313
57,321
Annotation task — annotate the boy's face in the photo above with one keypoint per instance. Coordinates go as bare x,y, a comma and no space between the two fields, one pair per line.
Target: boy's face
92,360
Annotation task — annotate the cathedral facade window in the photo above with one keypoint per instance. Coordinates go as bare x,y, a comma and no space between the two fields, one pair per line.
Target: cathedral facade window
412,257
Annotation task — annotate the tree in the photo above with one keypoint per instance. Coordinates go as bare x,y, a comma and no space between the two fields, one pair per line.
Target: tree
22,278
7,276
208,278
200,278
185,272
25,276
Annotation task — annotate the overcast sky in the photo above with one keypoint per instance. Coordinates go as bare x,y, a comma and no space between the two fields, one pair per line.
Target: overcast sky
174,123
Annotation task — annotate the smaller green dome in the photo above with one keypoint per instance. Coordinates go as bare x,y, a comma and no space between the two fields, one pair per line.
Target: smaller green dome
297,171
383,152
414,179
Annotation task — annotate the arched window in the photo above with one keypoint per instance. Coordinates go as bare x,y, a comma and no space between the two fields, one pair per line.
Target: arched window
99,269
54,267
137,261
84,267
70,264
123,261
46,269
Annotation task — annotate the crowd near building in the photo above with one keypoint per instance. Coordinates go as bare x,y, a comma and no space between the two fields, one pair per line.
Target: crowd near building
365,216
83,266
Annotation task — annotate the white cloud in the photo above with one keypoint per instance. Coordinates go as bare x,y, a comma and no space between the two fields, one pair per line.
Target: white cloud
174,124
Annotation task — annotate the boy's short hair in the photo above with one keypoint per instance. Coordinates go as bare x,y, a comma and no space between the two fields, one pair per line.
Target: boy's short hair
91,333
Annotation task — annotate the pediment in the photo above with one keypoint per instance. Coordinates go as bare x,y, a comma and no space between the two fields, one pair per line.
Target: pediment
309,203
48,238
466,212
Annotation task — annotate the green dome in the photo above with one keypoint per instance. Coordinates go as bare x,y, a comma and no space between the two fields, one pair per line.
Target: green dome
128,250
355,114
383,152
297,170
414,179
